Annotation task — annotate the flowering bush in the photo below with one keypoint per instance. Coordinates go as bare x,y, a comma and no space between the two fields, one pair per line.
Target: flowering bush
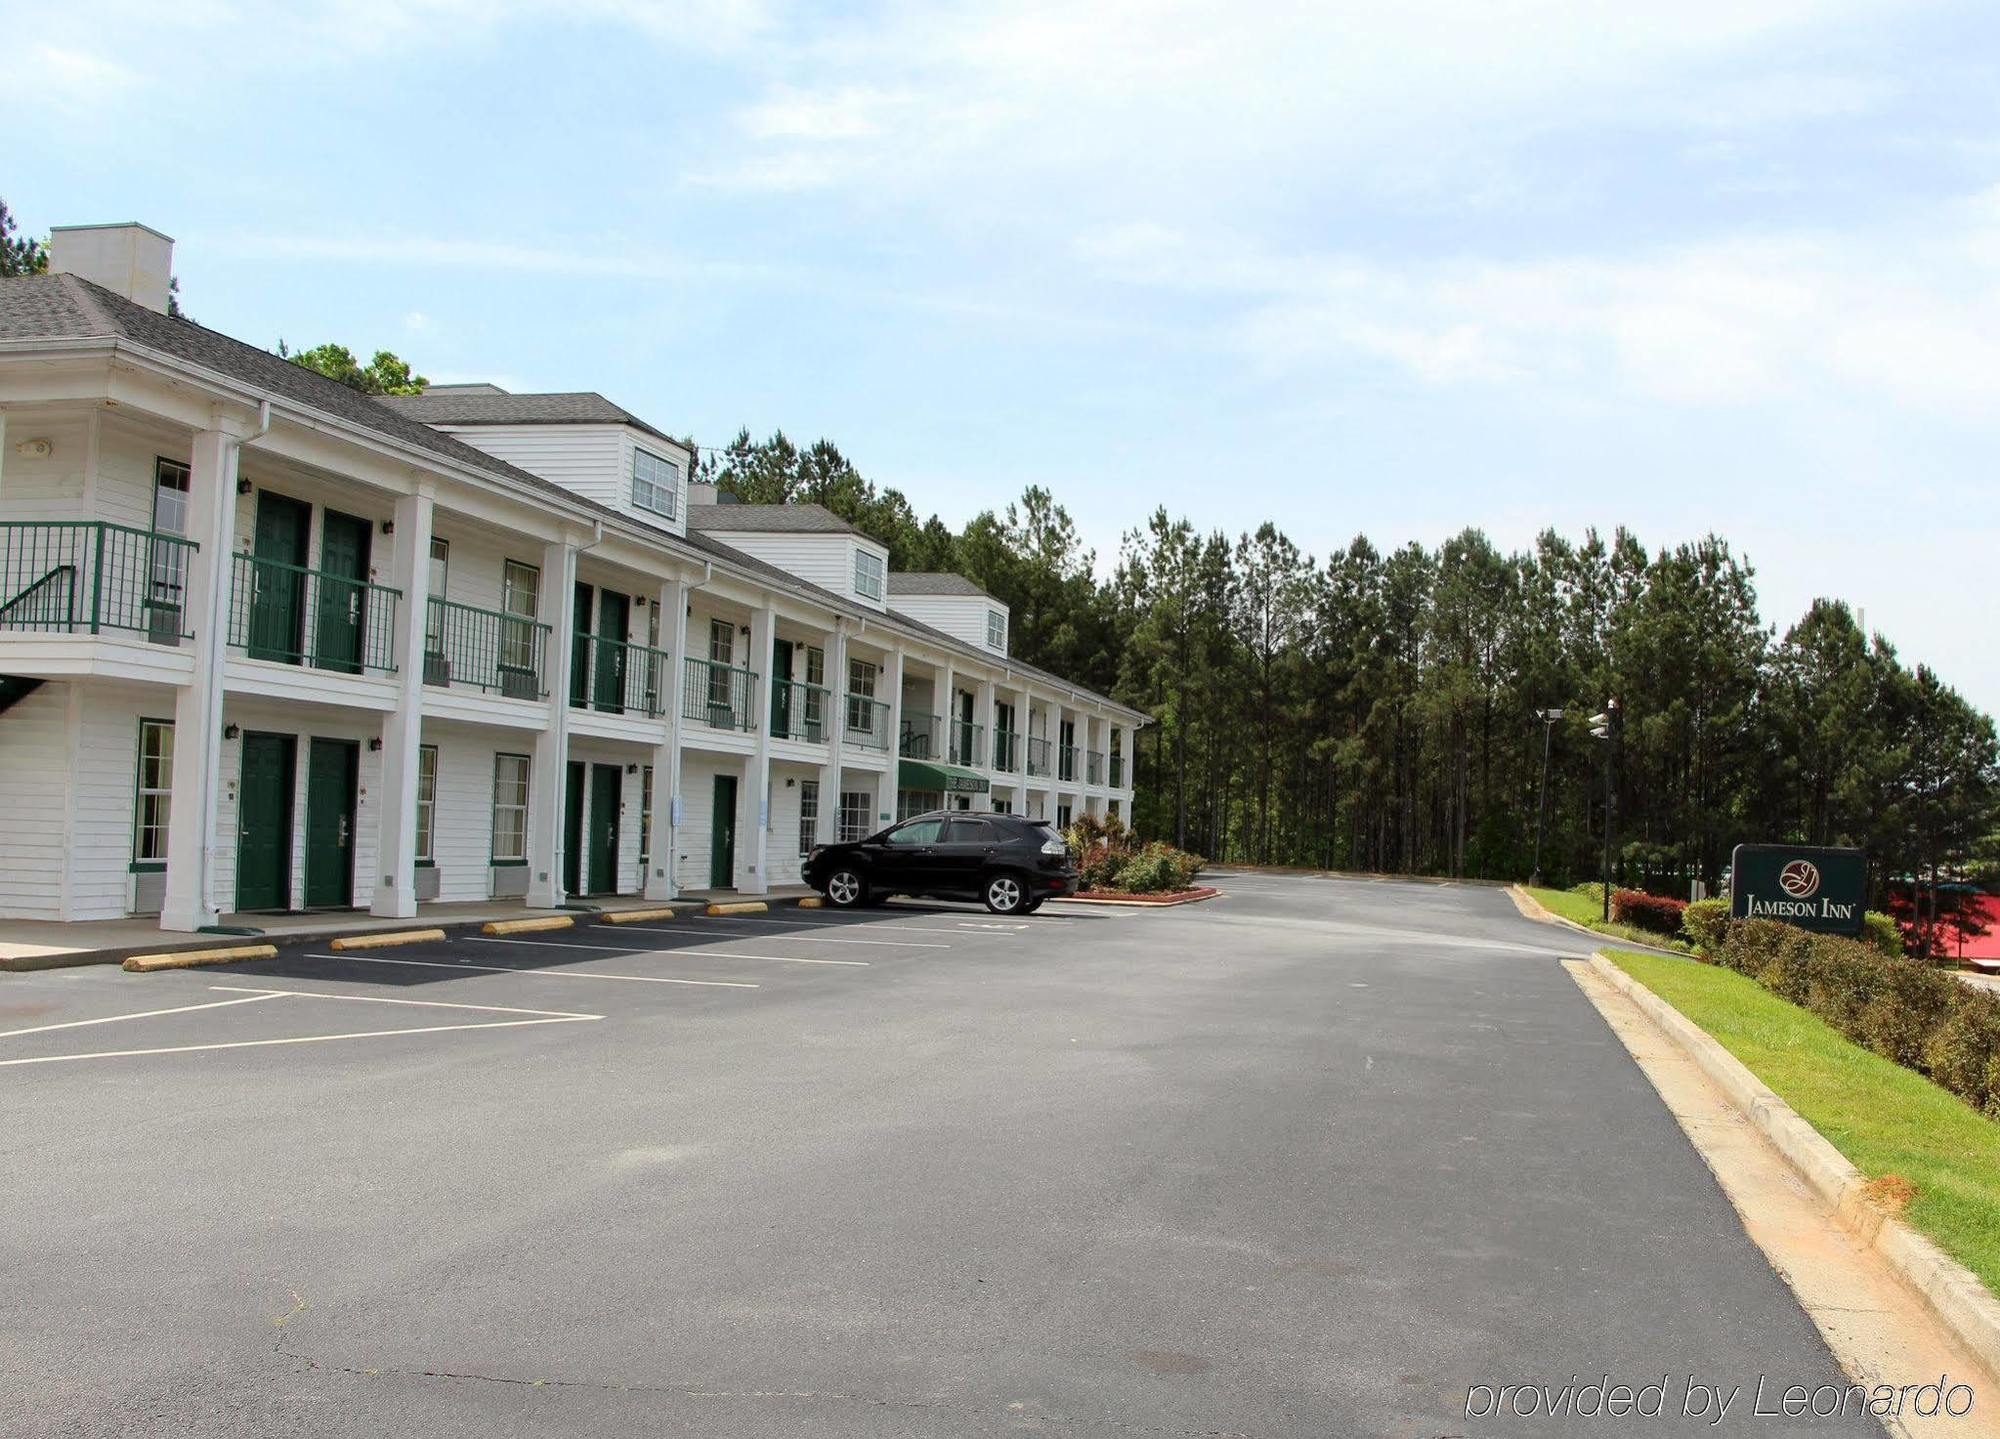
1110,858
1651,912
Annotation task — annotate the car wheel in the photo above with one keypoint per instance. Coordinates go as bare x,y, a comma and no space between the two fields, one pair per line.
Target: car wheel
845,889
1004,893
1032,905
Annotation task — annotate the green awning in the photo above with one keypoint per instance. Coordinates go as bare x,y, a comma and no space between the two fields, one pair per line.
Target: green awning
932,776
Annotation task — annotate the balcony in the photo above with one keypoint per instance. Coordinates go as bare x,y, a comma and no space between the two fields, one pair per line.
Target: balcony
798,711
718,695
1006,751
1038,757
1118,771
498,653
1093,767
617,678
867,723
1066,763
920,737
968,743
87,577
296,616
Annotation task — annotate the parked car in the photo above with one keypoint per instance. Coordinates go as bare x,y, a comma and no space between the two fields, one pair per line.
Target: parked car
1009,862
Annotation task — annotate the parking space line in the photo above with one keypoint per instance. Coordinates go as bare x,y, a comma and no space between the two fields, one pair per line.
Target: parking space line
862,923
670,954
142,1014
384,999
802,938
516,969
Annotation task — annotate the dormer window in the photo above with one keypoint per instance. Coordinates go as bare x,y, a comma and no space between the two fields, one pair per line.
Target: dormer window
656,484
996,631
867,574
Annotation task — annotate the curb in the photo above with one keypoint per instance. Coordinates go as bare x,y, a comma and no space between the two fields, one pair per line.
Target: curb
1195,896
1532,908
344,942
1950,1290
189,958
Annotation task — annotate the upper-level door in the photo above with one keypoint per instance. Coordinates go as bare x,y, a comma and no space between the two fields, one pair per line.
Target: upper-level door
580,647
613,614
342,618
278,575
781,689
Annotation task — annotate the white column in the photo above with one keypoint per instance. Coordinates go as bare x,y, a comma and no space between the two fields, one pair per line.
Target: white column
754,802
892,778
403,727
826,825
982,715
550,764
659,876
197,777
944,694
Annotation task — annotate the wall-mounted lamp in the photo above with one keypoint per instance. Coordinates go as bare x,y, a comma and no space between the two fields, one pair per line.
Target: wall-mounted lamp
35,449
242,486
388,527
641,602
631,769
375,745
745,631
230,731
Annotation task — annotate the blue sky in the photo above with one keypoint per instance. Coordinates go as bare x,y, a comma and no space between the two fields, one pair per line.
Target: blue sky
1388,266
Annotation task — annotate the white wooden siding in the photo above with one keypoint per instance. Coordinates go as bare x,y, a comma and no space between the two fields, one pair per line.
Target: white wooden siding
594,461
963,617
826,560
35,751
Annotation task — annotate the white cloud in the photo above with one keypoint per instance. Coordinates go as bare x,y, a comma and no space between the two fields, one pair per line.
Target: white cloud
74,82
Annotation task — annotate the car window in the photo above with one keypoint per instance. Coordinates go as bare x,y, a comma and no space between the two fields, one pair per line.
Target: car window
969,831
918,831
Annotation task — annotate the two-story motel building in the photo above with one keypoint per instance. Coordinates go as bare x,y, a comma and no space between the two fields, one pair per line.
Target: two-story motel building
268,644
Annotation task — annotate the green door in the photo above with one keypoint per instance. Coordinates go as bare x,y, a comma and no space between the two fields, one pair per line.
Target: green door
722,835
573,778
613,611
341,616
264,823
333,767
606,787
781,689
579,648
278,578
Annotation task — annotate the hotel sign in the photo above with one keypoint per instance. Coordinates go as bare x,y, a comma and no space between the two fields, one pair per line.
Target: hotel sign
1818,889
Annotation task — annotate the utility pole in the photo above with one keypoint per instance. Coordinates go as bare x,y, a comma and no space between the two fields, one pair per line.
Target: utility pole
1548,719
1604,726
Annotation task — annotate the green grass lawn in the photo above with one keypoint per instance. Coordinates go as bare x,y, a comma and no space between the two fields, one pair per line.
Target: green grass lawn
1884,1118
1583,910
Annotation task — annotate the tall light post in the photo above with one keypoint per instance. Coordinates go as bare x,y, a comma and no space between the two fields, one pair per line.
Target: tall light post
1548,719
1604,726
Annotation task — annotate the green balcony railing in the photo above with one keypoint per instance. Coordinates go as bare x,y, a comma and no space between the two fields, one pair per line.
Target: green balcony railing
1038,756
298,616
499,653
1006,750
920,736
798,711
718,695
968,743
617,677
1093,767
89,576
1118,771
867,723
1066,763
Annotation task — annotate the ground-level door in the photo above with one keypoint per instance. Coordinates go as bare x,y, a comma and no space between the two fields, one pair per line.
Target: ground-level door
722,834
590,828
333,772
264,822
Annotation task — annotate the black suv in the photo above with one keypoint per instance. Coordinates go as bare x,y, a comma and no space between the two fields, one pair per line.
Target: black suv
1010,862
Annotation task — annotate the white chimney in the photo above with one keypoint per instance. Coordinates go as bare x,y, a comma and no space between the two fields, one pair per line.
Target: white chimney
130,259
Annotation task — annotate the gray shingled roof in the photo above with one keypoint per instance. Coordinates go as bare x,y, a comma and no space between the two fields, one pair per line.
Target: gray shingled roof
66,307
460,407
768,520
920,582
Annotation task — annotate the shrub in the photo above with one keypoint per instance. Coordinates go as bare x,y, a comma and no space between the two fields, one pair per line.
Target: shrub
1111,859
1591,890
1702,923
1884,933
1653,913
1903,1010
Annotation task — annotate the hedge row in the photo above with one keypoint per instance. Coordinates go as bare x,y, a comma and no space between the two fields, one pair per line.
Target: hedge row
1655,913
1902,1009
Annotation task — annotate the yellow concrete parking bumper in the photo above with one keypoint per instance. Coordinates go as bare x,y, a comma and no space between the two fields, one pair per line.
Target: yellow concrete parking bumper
634,916
745,906
188,958
528,926
383,941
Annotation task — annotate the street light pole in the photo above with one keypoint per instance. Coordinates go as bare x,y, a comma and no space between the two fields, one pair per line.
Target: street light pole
1605,727
1548,719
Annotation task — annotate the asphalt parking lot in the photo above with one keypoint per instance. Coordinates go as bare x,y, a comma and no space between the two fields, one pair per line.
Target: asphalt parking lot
1308,1159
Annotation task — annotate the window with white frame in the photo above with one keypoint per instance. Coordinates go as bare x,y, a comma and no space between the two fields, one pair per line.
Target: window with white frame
857,809
434,614
427,789
170,514
996,631
510,809
867,574
656,484
808,815
153,811
521,598
861,697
